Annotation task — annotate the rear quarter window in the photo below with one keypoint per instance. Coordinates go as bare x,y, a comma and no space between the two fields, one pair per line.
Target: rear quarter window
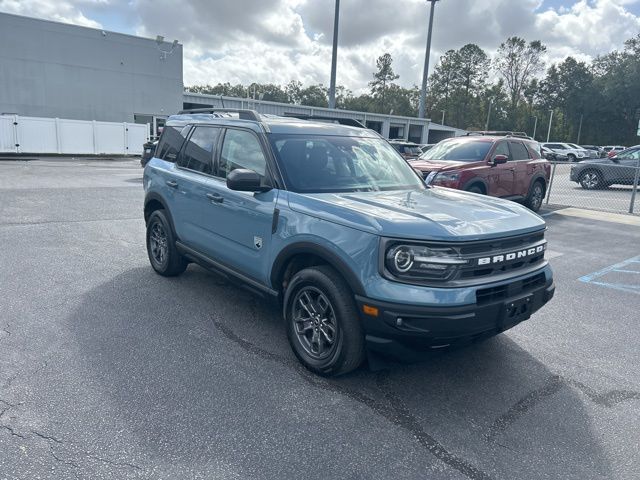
170,142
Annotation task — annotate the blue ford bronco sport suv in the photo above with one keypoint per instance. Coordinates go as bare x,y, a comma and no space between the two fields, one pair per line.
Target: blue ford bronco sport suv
331,220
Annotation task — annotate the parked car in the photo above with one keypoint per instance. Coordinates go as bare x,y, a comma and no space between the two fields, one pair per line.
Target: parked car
573,152
598,152
427,146
618,170
148,151
330,221
500,166
612,150
553,156
407,149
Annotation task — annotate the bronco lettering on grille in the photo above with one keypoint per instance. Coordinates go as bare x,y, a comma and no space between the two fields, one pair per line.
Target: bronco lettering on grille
507,257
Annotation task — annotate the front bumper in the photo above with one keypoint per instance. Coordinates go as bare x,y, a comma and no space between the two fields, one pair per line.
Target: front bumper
407,331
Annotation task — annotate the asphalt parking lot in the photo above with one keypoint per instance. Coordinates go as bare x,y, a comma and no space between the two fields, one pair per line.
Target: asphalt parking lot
108,370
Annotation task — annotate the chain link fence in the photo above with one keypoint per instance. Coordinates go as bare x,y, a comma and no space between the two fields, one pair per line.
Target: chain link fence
603,185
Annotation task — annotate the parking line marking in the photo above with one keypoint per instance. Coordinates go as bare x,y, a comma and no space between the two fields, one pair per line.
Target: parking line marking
617,268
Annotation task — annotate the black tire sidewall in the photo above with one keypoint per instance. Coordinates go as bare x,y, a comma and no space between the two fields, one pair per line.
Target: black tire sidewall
536,184
598,176
475,189
174,264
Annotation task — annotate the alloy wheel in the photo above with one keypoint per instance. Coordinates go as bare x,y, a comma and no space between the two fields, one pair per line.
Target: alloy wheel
590,180
158,243
315,322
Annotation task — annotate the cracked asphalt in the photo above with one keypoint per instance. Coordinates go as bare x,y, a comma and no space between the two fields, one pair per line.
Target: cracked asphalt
108,370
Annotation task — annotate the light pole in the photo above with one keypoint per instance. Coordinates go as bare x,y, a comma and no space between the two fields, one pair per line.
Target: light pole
550,121
442,122
486,125
579,129
334,58
425,73
535,125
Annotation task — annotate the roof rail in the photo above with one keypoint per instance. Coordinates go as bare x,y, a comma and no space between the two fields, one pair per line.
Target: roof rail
351,122
500,133
243,113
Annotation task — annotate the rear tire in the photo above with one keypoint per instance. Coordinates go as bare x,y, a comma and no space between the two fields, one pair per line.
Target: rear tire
591,180
323,326
571,157
161,246
535,196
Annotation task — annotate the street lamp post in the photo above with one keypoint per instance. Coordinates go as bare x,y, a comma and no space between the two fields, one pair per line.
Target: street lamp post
535,125
550,121
425,73
334,58
442,122
486,125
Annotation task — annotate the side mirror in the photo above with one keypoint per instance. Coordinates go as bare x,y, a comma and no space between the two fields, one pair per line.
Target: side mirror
498,159
244,180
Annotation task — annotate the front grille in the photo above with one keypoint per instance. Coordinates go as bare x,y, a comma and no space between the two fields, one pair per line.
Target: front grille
494,294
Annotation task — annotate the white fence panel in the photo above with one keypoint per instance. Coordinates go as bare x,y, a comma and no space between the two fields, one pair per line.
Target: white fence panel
109,138
137,135
75,136
7,134
37,135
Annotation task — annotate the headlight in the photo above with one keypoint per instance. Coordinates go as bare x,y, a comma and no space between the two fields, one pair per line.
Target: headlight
445,178
421,262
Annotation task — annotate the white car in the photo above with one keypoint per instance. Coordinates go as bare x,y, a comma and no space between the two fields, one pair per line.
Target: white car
573,152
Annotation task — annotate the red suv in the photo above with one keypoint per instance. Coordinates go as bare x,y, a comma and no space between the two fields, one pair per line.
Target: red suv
501,166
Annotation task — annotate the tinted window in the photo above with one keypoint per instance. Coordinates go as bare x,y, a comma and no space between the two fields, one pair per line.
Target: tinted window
555,146
534,150
518,151
171,142
502,149
241,149
629,155
198,153
318,163
458,150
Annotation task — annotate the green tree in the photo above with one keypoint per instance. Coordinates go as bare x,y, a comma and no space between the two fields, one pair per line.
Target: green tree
382,79
518,62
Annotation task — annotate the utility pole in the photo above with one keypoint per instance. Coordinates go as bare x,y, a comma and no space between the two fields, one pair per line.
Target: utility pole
334,57
535,125
486,125
550,121
425,73
579,129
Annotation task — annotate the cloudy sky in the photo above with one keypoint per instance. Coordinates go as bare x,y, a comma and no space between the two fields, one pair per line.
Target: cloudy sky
241,41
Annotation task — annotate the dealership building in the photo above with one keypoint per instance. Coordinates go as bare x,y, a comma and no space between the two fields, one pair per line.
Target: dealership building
55,70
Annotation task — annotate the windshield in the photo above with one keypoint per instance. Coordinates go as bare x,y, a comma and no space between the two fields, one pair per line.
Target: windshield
322,163
458,150
573,145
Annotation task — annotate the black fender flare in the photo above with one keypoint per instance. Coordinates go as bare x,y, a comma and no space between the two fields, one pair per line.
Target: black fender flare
534,179
477,180
332,259
153,196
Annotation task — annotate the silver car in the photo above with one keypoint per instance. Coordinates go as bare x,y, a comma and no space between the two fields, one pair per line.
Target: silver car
620,169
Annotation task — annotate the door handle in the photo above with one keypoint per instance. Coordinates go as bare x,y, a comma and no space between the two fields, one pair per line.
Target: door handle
215,197
172,183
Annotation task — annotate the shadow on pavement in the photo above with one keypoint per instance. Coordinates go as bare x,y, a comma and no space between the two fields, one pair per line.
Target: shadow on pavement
199,373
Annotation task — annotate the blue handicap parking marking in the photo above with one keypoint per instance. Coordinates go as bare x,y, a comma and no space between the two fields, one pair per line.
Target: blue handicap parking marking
623,276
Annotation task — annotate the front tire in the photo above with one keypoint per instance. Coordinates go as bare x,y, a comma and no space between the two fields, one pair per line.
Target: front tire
323,326
571,157
475,189
161,246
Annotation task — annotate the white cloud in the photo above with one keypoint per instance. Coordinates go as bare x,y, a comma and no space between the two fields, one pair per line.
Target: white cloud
60,11
242,41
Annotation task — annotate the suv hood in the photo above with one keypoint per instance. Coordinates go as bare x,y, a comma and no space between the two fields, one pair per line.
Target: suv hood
442,165
435,213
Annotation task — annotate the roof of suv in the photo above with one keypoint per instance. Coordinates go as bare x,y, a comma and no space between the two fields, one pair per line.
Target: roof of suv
266,123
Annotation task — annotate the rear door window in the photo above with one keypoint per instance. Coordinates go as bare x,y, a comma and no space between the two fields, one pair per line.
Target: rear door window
518,151
198,152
